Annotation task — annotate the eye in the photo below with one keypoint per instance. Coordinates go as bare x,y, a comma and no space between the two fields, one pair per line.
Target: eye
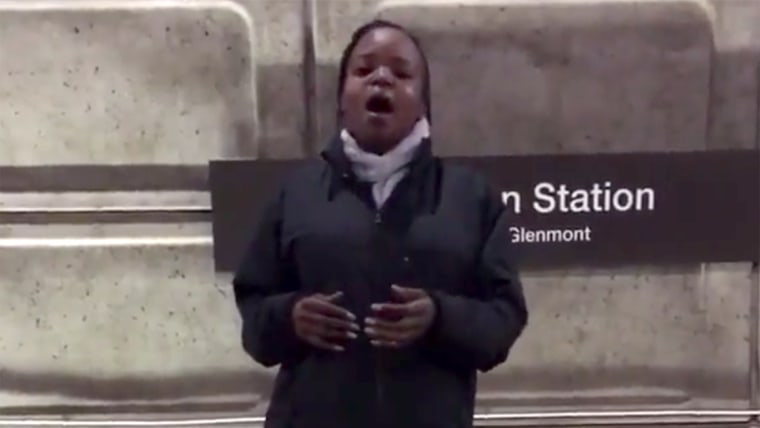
402,74
362,70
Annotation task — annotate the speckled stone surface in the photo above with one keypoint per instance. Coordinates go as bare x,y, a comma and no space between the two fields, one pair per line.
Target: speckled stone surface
120,86
658,336
119,324
280,88
734,100
548,77
137,325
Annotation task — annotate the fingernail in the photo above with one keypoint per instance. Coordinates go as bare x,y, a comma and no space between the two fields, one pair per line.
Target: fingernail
369,330
376,307
351,335
355,327
370,321
375,342
350,316
338,348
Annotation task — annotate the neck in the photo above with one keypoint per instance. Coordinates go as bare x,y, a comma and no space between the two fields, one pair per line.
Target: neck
377,147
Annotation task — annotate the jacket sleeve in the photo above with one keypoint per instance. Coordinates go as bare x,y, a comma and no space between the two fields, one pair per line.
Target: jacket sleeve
266,290
478,330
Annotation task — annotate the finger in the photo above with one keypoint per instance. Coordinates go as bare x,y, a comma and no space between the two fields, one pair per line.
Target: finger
390,341
326,308
403,325
316,319
386,335
395,311
332,297
321,343
329,333
404,294
416,308
392,311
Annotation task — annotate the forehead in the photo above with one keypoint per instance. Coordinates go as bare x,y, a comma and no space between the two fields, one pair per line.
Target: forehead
387,43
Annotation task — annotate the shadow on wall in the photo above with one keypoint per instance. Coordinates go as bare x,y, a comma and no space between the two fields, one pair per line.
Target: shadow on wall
600,78
159,394
121,391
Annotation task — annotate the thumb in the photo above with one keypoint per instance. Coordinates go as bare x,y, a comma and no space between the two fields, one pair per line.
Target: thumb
405,294
332,297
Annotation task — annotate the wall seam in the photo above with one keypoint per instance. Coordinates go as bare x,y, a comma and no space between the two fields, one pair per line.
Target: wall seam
308,76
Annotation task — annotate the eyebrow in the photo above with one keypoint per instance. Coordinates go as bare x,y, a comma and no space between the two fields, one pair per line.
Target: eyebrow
400,60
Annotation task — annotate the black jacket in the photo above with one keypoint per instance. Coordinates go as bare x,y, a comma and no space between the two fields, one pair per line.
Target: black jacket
442,229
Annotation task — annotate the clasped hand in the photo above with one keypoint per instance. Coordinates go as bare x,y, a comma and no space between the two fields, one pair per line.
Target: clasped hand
320,321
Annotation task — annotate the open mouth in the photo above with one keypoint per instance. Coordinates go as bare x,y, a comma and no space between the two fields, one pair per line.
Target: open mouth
379,104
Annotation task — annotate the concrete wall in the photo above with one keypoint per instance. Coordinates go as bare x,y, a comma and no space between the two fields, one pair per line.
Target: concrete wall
104,314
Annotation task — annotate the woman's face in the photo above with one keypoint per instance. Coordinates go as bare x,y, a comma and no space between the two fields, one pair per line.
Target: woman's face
382,98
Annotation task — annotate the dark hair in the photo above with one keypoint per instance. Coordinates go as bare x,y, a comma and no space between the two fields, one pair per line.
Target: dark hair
361,32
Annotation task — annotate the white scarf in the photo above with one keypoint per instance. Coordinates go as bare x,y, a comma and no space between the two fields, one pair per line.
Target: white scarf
384,171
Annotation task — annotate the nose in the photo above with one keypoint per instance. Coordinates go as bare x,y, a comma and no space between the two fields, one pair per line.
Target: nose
382,76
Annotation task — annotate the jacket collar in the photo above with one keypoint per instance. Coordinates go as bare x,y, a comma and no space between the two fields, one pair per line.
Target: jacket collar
335,157
420,170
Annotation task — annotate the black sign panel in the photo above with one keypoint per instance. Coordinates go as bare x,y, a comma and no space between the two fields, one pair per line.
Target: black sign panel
568,210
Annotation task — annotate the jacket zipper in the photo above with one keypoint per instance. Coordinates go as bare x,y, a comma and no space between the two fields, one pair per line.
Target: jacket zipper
380,392
379,381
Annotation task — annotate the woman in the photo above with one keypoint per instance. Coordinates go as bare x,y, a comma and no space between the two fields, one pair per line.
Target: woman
379,279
